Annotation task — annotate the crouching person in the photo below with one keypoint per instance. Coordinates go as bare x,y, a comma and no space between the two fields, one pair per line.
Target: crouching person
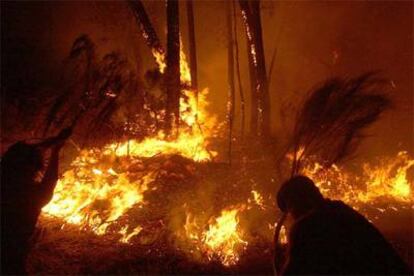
23,197
329,237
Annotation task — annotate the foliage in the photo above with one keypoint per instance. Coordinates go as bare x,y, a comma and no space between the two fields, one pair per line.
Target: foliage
330,123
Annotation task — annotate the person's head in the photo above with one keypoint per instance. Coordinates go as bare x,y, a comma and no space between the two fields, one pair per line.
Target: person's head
298,196
21,160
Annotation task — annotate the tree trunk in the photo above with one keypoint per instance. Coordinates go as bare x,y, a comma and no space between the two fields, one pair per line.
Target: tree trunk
145,25
192,40
173,69
264,97
245,9
260,101
242,101
230,65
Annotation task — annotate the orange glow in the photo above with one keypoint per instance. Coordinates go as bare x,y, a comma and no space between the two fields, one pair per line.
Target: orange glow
217,238
103,184
257,200
223,237
387,180
95,195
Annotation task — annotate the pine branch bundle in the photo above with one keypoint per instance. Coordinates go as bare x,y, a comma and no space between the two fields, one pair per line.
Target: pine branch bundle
329,125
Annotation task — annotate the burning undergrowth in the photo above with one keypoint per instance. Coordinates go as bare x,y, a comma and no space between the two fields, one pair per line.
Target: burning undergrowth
186,209
128,196
202,213
161,204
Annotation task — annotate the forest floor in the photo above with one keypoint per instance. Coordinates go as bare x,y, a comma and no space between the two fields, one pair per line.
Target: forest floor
86,253
66,249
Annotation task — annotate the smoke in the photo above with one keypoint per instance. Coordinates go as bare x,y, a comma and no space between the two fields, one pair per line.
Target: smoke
314,40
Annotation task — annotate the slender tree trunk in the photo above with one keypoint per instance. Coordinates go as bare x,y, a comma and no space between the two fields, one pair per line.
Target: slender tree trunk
275,51
230,65
264,97
173,69
145,25
192,40
193,54
260,110
242,101
251,51
254,115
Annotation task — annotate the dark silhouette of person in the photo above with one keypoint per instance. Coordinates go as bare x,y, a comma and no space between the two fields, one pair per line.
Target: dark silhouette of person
329,237
22,196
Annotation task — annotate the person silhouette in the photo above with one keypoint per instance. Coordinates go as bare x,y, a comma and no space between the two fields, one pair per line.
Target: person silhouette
329,237
22,196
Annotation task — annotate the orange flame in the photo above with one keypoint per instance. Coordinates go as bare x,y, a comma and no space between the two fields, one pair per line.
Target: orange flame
223,237
388,180
95,195
102,185
218,238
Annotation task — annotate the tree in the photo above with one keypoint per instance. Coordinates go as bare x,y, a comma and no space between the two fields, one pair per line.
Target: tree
260,98
230,65
172,115
145,25
192,40
241,93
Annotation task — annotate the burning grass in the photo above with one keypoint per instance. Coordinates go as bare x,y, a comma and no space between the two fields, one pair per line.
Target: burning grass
182,217
386,180
199,214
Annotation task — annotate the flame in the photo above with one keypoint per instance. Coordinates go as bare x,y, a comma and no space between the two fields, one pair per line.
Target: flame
257,200
185,73
127,236
223,238
389,178
94,196
103,184
252,46
97,196
386,180
160,60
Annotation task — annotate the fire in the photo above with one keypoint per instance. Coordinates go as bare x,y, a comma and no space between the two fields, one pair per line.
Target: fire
126,237
197,124
387,180
257,199
185,74
103,184
221,239
283,239
160,60
93,195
